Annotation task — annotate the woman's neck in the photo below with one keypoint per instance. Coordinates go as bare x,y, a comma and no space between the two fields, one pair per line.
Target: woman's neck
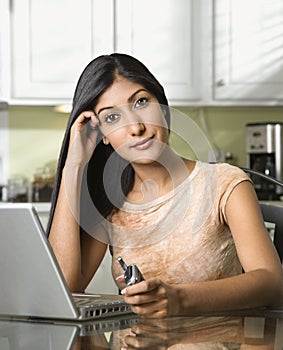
158,178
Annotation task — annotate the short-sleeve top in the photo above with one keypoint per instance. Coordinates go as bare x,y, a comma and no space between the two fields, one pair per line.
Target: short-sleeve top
183,235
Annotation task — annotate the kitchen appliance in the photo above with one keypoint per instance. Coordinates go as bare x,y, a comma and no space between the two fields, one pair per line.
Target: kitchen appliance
265,154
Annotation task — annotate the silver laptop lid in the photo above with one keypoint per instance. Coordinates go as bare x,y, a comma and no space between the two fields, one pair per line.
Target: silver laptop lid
32,284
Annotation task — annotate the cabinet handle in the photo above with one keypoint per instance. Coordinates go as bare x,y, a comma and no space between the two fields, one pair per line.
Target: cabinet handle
220,82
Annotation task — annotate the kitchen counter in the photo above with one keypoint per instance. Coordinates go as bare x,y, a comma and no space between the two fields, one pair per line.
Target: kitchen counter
254,329
42,209
278,203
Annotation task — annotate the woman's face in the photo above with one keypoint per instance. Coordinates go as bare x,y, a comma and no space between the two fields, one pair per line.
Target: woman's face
132,121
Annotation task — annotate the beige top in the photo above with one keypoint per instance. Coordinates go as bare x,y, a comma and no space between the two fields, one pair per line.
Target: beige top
182,236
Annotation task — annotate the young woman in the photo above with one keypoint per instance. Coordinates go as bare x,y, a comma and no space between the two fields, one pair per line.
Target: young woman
194,229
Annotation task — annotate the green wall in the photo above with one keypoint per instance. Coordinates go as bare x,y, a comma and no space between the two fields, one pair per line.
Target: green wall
35,133
35,136
225,126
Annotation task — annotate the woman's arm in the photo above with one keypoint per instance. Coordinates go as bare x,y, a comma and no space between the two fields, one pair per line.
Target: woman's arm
79,255
261,284
255,249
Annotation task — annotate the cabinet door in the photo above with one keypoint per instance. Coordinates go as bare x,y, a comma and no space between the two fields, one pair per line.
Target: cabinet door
164,35
248,48
4,50
52,41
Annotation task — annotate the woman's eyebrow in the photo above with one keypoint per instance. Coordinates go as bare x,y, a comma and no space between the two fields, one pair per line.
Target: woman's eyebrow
102,109
130,99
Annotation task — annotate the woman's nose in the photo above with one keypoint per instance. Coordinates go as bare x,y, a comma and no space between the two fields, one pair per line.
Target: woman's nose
136,126
137,129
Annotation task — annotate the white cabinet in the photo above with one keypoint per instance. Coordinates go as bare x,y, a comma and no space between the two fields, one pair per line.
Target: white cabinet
204,52
53,40
4,83
4,50
165,36
248,48
103,282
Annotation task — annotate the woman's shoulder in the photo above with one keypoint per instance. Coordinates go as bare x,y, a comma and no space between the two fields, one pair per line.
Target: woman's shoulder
232,173
225,170
222,176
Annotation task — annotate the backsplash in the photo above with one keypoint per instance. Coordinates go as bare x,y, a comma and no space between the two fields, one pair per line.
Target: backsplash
36,133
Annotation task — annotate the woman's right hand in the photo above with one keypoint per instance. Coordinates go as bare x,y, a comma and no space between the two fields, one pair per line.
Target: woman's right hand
83,138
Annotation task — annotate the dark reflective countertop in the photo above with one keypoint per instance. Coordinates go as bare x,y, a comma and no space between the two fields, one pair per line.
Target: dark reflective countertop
253,329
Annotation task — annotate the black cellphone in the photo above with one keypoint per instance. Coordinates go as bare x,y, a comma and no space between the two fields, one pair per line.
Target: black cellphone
132,273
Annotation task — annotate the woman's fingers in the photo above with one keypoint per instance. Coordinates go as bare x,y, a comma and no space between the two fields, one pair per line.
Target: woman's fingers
86,118
83,138
145,286
148,298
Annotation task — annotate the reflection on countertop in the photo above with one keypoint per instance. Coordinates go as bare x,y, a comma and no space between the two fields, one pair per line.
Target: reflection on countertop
258,329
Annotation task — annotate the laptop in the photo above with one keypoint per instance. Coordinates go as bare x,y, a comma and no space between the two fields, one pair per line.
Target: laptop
32,284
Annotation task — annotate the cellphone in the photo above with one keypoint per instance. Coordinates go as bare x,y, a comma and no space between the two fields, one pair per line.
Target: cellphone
132,273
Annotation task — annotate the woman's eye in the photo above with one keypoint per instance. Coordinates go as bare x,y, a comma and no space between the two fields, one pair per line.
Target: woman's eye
110,118
141,102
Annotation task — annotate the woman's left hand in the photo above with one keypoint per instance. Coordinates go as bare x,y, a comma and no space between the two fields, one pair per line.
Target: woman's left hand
152,298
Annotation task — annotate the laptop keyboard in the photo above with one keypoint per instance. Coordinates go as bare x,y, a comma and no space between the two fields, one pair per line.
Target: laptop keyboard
91,305
89,301
93,299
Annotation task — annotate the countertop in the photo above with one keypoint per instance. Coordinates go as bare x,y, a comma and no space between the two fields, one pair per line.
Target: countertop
278,203
254,329
39,206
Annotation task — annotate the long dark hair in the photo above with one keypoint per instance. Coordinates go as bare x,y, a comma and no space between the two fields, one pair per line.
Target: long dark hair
96,78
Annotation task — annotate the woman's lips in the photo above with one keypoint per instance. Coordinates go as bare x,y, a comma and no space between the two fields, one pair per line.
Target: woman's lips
143,144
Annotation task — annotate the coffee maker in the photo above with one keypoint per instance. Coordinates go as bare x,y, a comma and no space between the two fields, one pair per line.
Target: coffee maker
265,155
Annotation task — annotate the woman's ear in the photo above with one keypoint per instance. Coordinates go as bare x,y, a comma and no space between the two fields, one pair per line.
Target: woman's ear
105,140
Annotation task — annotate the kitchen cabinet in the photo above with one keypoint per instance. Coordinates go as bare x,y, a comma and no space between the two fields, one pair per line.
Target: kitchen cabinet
52,42
248,49
103,282
165,37
4,50
204,52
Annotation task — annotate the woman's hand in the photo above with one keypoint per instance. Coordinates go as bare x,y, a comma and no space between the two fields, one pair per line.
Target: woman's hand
152,298
83,138
150,334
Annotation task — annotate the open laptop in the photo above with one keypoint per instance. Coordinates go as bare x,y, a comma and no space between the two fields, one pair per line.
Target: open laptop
31,282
